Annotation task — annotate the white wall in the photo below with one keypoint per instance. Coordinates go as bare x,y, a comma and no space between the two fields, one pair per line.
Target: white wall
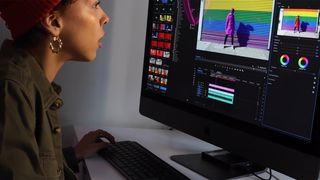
107,90
4,32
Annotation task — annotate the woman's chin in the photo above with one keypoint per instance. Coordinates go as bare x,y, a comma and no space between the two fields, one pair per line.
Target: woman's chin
87,58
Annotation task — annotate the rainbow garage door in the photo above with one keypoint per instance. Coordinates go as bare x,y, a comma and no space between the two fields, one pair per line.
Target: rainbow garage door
253,21
308,19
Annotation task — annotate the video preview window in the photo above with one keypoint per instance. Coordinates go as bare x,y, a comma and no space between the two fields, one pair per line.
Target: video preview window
299,23
236,27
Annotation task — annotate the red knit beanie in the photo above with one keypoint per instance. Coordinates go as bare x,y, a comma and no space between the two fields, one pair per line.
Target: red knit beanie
22,15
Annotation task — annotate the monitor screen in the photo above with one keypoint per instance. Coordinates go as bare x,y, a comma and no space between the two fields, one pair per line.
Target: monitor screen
250,65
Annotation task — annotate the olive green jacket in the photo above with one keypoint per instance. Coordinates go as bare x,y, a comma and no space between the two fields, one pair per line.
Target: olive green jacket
30,132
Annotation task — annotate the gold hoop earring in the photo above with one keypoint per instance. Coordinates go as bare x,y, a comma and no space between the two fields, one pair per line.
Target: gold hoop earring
56,44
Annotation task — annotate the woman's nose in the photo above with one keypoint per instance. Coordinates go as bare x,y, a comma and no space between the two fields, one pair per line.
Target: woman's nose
105,19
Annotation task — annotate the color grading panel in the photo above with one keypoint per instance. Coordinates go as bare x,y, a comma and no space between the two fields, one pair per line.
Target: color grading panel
294,68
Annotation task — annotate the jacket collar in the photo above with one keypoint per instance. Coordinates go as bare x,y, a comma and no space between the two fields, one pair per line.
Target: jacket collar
50,91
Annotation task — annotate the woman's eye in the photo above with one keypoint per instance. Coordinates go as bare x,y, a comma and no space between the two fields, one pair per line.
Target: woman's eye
96,5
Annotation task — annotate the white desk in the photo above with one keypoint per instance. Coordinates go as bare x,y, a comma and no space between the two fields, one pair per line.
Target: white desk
163,143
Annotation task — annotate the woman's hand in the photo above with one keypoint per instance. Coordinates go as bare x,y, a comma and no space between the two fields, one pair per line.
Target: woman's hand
91,143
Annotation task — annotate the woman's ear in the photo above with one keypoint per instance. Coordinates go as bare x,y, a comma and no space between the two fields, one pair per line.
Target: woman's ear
52,23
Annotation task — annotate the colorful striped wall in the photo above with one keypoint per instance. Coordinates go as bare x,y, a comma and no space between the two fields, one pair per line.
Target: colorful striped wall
308,19
253,21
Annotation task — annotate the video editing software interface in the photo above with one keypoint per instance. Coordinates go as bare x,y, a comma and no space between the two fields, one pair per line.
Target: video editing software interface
255,61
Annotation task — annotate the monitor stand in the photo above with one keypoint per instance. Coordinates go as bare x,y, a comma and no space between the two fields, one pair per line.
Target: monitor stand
219,164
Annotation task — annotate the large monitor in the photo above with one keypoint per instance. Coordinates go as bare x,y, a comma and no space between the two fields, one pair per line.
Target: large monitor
240,74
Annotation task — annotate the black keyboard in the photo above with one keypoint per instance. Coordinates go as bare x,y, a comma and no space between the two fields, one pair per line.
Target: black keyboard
137,163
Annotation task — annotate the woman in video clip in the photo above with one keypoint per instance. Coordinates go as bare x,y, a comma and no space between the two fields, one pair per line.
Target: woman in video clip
297,24
46,34
230,26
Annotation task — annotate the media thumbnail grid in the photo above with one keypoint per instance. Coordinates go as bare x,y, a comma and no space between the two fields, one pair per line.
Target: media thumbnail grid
161,45
158,74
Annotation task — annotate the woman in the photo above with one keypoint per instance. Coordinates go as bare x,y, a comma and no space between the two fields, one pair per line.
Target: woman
230,27
297,24
46,34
